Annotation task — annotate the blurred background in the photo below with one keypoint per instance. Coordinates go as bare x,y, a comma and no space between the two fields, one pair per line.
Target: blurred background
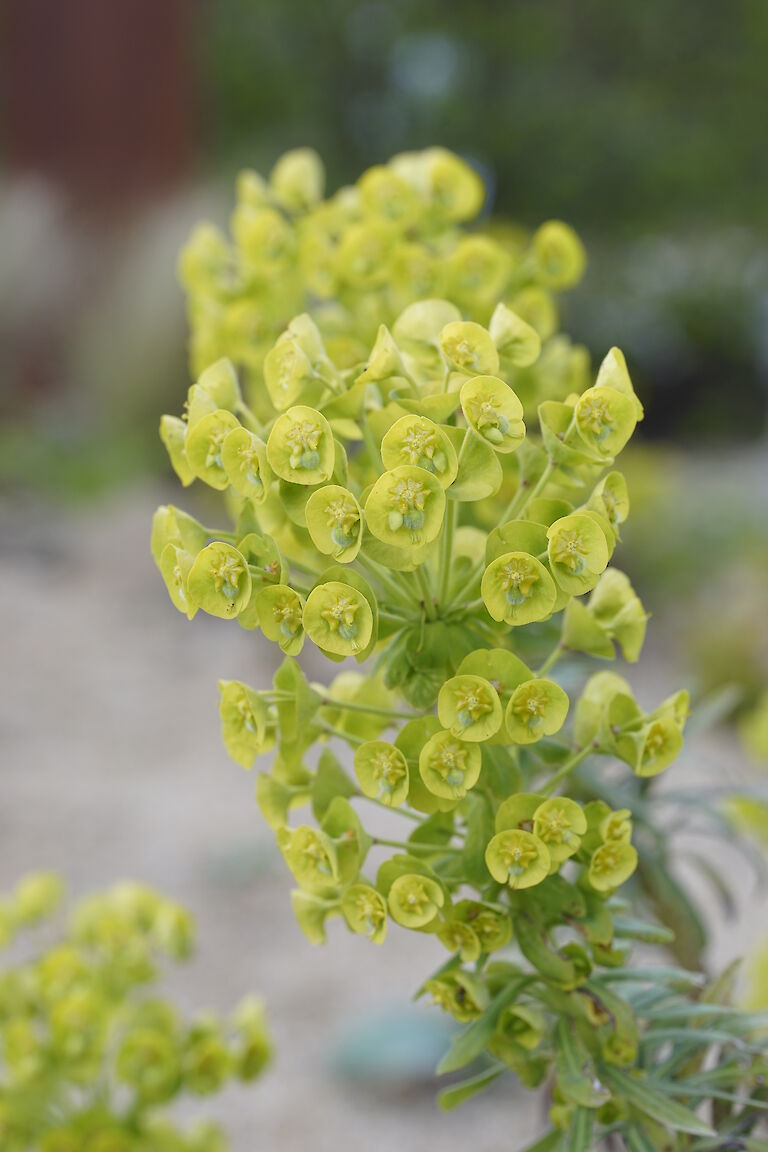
121,125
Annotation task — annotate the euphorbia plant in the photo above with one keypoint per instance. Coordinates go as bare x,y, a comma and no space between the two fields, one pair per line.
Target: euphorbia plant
420,490
90,1056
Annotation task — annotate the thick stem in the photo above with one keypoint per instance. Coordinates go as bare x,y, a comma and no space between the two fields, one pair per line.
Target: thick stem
409,846
552,659
393,713
371,446
400,595
426,592
446,551
518,506
348,736
248,418
415,816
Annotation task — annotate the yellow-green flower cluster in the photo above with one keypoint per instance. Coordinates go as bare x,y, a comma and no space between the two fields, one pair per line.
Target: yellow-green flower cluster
404,494
357,258
89,1054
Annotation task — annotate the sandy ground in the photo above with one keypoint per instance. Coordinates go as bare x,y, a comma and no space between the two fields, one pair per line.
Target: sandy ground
112,767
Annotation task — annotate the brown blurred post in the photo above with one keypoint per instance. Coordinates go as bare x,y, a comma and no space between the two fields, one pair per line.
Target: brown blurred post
98,95
97,101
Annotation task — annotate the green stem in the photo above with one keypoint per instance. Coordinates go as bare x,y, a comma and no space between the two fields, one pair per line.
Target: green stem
248,418
564,769
399,594
515,509
301,566
465,441
395,618
446,551
467,585
348,736
552,659
469,608
426,592
512,510
394,713
415,816
416,846
370,444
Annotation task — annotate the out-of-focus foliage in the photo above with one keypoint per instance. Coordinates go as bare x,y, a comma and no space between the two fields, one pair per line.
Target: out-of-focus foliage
90,1055
689,512
587,89
647,138
754,730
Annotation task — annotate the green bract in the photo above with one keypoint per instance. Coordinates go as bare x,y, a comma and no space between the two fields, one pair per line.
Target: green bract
536,708
405,507
559,255
244,459
281,615
490,923
517,858
518,343
469,348
493,410
419,474
518,589
577,551
470,707
414,900
454,191
382,772
419,441
559,823
173,433
338,618
611,865
448,766
458,993
653,748
175,566
298,179
204,446
365,911
606,419
247,722
335,522
219,580
311,857
172,526
300,446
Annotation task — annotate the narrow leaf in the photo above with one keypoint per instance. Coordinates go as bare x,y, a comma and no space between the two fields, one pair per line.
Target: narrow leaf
552,1142
575,1079
580,1132
450,1098
648,1098
638,1140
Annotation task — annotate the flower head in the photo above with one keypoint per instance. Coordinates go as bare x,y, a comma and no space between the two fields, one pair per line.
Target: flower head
382,772
518,589
449,767
517,858
469,707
